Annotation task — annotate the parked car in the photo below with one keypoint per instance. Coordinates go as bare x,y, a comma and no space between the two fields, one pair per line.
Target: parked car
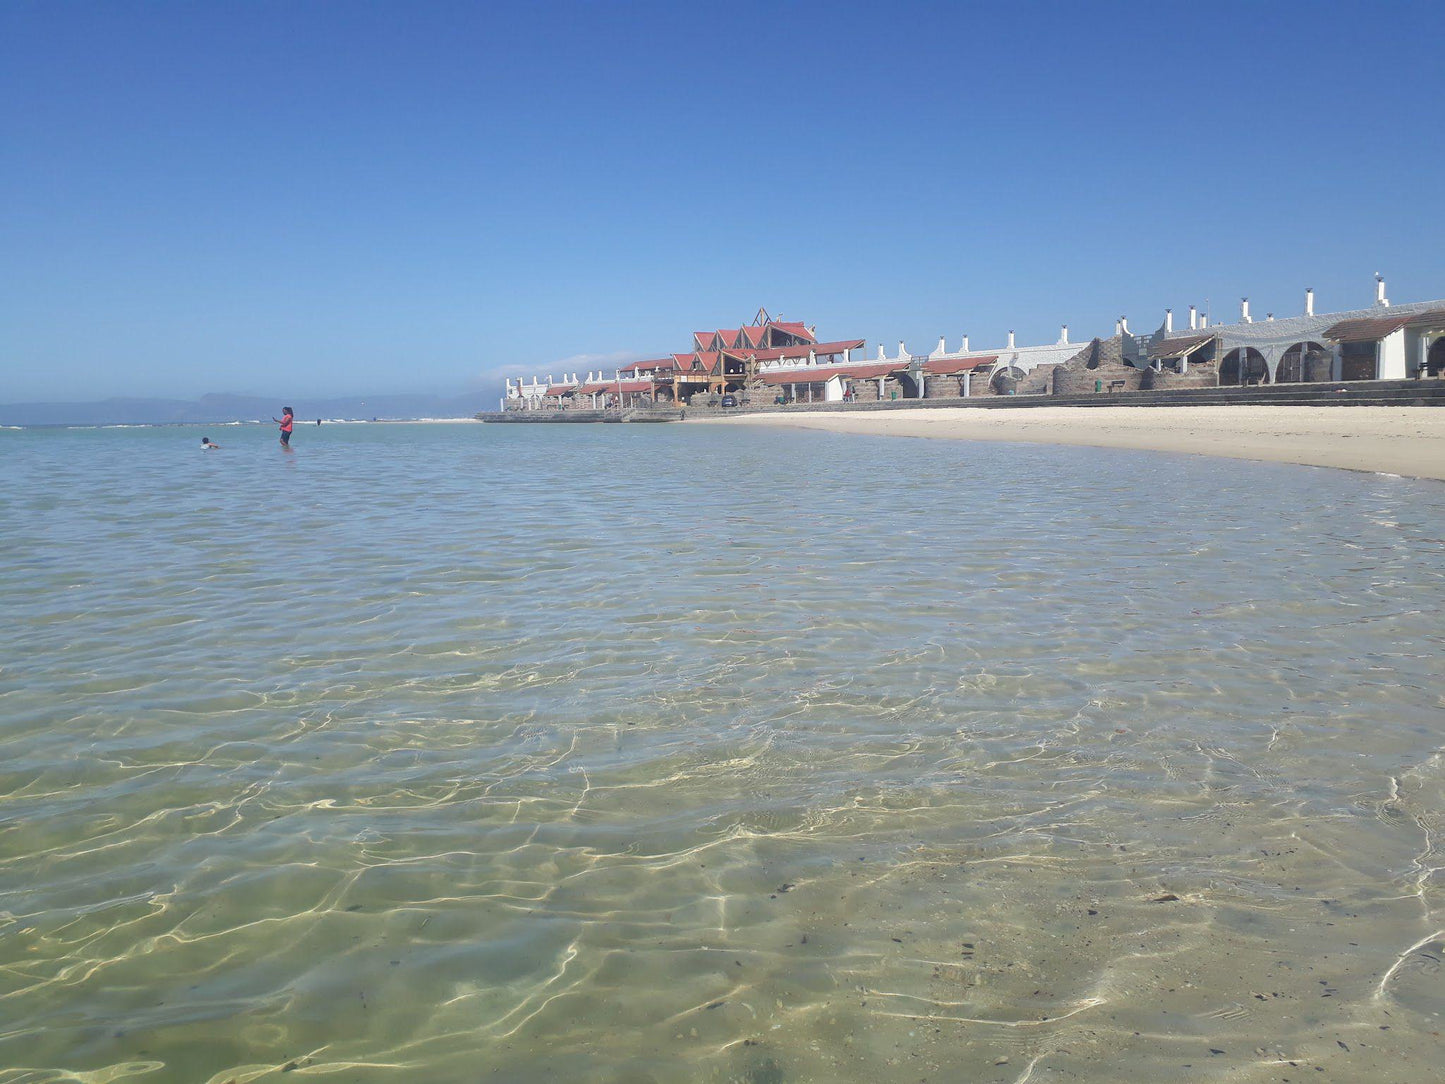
729,401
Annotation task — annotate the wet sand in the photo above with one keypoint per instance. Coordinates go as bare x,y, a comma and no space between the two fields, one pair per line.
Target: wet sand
1408,441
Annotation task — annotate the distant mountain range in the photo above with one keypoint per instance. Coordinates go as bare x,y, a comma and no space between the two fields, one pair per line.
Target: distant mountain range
240,408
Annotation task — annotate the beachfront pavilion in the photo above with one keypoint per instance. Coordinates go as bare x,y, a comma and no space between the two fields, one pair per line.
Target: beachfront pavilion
1383,342
729,359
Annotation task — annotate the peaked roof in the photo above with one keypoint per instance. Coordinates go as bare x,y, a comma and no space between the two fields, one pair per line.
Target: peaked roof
794,327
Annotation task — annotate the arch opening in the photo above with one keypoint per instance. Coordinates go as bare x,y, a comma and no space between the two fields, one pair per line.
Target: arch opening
1242,366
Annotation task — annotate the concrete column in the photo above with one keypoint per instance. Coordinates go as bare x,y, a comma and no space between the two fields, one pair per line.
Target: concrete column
966,381
1337,362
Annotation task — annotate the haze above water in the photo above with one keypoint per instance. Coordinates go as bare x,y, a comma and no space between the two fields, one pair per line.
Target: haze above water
627,753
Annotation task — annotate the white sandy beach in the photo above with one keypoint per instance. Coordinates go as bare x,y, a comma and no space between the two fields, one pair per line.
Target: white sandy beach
1408,441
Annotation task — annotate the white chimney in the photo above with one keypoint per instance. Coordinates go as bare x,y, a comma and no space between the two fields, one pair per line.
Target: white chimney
902,351
1244,311
1203,322
941,348
1124,324
1380,298
1168,321
1064,335
1309,301
1010,340
1118,327
1269,318
964,348
1193,318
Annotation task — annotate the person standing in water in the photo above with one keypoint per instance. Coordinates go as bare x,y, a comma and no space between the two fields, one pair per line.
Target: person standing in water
286,421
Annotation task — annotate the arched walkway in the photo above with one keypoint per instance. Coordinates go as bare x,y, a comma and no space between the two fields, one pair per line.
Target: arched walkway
908,384
1435,360
1005,379
1302,361
1244,365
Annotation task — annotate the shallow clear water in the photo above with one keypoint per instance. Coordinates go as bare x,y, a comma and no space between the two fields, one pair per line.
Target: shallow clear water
627,753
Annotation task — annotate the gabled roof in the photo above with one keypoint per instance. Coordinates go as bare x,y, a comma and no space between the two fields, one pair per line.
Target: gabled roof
701,340
1370,328
729,336
950,366
560,390
1179,347
753,335
794,327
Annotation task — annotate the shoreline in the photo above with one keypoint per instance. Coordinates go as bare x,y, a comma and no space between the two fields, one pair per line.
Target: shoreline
1406,441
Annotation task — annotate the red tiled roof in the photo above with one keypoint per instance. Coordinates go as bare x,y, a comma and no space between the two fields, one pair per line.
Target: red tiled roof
1370,328
647,366
754,334
794,327
819,373
560,389
949,366
729,336
801,350
701,340
630,385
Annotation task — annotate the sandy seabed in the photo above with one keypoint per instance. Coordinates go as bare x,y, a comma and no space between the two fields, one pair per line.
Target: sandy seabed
1408,441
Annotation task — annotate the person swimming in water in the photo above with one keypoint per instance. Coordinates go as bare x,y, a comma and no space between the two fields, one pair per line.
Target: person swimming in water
286,421
208,445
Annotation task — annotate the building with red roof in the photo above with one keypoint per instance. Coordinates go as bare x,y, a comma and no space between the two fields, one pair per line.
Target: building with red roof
725,360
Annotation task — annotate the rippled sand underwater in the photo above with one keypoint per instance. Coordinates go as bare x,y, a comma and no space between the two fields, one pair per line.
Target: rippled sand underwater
610,753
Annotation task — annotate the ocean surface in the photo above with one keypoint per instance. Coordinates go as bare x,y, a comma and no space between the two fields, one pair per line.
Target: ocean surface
438,753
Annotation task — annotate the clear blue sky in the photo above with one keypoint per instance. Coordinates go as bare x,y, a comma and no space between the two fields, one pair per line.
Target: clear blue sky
305,199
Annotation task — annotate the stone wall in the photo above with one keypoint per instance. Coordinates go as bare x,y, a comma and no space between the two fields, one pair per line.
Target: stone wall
1101,362
1198,376
1038,381
864,390
944,387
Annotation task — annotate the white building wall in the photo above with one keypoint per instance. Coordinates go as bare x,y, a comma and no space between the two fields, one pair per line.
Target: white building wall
1392,356
833,390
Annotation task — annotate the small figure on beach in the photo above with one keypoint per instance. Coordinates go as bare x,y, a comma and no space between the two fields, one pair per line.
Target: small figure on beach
286,421
208,445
